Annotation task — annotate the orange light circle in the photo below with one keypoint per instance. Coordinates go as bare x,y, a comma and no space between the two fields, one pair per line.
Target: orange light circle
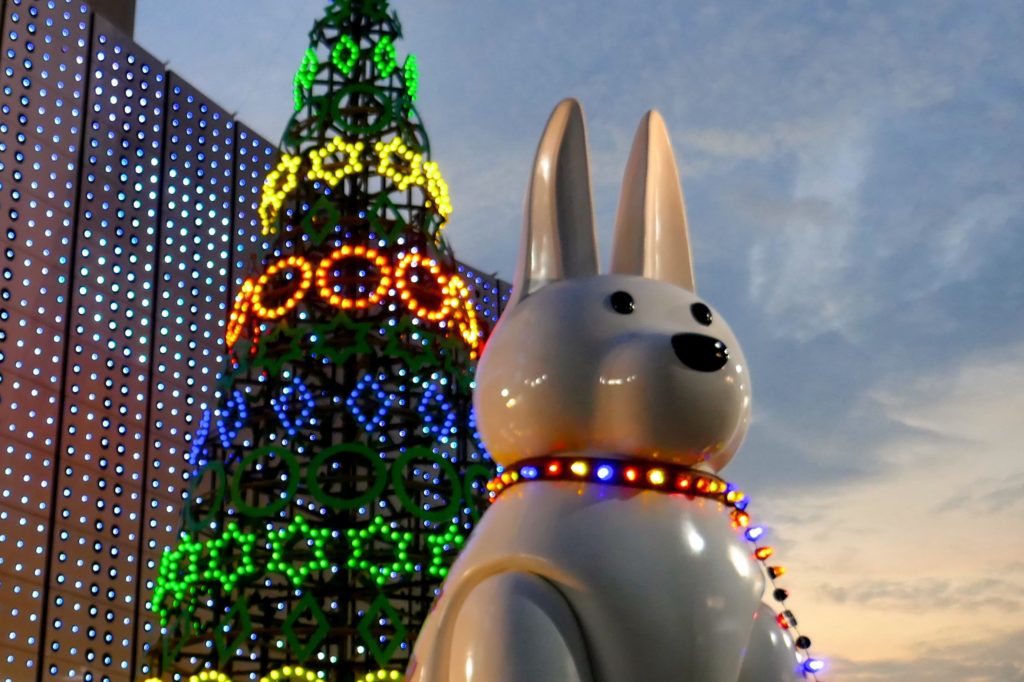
239,314
305,281
411,260
465,314
327,291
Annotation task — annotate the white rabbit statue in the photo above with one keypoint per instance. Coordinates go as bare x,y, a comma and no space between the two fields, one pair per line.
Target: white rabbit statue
611,400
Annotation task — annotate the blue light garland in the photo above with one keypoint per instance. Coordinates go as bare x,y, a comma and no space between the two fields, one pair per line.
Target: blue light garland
237,412
294,406
198,455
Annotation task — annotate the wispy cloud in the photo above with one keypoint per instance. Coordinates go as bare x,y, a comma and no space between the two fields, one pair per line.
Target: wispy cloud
990,493
972,658
875,552
932,594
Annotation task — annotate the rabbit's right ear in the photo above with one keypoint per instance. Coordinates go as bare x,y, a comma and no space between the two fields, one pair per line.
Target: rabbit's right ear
558,223
651,237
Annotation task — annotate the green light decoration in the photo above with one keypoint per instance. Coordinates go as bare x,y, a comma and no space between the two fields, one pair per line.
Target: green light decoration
231,557
384,57
297,551
315,532
298,532
412,76
305,76
361,542
442,547
345,54
177,579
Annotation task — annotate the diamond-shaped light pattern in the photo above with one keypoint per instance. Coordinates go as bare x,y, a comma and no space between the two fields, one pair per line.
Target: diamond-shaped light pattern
374,397
305,627
381,629
42,84
130,205
436,411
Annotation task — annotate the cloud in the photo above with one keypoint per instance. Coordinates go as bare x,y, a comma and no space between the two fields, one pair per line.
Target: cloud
886,564
806,251
931,594
994,659
987,494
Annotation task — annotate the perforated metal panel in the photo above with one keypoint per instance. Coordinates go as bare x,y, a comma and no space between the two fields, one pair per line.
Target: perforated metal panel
92,569
192,300
255,159
43,76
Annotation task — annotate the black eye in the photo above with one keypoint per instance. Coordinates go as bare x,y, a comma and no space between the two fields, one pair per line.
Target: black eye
622,303
701,313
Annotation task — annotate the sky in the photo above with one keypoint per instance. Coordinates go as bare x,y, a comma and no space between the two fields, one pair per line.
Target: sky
854,176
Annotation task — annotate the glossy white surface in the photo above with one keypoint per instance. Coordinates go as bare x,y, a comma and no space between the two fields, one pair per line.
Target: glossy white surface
563,372
558,239
658,587
770,655
651,238
581,582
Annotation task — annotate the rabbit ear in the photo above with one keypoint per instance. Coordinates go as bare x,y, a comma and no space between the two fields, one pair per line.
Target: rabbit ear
651,238
558,223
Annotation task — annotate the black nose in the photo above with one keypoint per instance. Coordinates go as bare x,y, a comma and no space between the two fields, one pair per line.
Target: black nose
700,352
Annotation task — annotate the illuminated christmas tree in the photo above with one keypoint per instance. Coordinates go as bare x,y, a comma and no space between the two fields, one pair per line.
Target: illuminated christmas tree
340,472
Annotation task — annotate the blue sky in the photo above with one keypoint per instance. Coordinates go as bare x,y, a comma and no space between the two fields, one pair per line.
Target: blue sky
853,174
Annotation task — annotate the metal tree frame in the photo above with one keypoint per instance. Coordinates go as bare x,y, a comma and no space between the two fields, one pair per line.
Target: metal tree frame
340,471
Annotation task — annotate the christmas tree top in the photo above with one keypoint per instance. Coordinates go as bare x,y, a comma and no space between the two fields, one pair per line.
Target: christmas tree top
355,184
355,118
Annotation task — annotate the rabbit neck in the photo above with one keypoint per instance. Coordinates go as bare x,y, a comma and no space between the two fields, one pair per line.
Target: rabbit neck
643,475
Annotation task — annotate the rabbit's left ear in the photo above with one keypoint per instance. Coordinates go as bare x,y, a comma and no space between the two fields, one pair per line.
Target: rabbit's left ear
558,223
651,238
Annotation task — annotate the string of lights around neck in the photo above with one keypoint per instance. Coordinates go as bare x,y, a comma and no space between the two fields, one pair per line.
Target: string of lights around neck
643,475
666,478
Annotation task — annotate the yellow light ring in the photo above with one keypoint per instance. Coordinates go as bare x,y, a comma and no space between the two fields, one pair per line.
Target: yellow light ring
292,673
275,190
465,314
239,314
332,176
405,294
395,161
209,676
383,676
378,260
306,280
437,190
386,165
469,330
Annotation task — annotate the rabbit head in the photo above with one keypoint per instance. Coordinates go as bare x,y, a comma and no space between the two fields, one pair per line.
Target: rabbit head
627,365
